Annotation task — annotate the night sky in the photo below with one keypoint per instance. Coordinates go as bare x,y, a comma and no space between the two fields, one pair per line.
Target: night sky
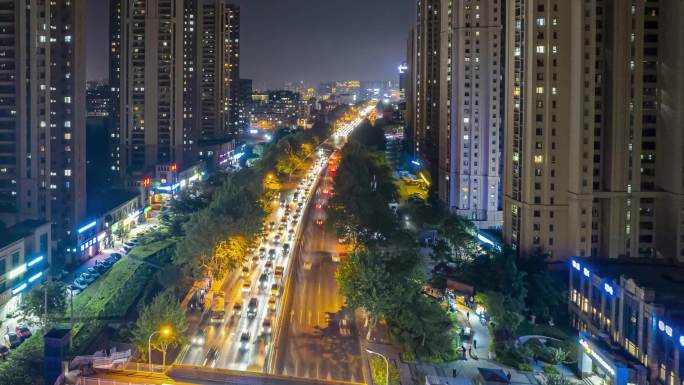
293,40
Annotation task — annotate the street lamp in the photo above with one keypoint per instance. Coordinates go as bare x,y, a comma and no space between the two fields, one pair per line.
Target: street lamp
386,364
165,331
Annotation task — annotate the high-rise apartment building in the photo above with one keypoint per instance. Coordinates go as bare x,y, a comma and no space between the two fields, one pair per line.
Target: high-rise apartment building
175,64
470,110
455,62
593,139
427,78
42,114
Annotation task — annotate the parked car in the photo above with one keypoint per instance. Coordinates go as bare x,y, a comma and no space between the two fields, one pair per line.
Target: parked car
4,352
345,329
12,340
22,331
93,271
116,256
85,277
80,284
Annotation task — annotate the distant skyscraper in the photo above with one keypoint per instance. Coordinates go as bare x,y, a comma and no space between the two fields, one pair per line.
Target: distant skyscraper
403,79
42,115
594,128
175,64
455,112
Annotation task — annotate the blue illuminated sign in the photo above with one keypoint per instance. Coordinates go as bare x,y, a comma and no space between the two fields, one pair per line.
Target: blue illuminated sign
417,163
586,272
35,260
19,288
576,265
608,289
36,276
87,227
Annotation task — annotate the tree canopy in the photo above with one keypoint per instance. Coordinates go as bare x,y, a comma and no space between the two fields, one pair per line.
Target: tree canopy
163,312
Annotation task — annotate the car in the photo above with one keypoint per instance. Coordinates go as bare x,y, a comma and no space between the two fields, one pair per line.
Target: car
245,272
246,286
271,225
286,248
278,273
266,326
199,338
211,357
276,239
237,309
252,308
263,278
244,341
262,251
80,284
344,326
255,260
319,221
22,331
4,352
93,271
282,203
101,267
268,265
319,206
85,277
12,340
275,289
272,253
116,256
272,301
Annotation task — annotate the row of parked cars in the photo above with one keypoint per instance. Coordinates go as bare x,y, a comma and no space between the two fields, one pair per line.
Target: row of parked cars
13,339
93,273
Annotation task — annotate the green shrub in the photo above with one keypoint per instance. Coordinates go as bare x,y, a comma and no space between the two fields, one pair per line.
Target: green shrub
524,367
550,369
24,366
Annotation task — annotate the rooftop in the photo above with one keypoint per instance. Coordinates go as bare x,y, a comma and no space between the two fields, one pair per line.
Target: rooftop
99,204
19,231
664,277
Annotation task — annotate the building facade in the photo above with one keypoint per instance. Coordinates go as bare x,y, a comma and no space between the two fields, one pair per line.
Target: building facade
175,66
454,103
631,319
42,114
593,105
470,110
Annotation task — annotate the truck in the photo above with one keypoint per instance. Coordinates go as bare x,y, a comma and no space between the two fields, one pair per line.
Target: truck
218,308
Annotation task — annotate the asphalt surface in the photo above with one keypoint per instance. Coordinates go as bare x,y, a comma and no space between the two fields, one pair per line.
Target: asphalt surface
314,344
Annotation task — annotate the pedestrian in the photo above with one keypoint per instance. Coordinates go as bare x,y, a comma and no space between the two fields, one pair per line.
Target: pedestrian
468,315
508,375
536,360
470,351
474,343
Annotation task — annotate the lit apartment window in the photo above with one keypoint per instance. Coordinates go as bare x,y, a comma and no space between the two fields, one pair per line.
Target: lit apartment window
540,49
541,21
540,90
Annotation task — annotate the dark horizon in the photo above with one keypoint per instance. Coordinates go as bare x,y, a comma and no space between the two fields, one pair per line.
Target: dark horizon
309,41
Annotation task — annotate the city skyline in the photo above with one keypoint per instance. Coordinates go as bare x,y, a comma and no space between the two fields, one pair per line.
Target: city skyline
327,44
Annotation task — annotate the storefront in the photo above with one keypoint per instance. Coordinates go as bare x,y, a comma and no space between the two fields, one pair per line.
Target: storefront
89,241
602,364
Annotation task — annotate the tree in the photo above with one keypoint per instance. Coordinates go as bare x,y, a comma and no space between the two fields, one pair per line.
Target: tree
32,306
379,372
163,312
459,235
557,379
228,255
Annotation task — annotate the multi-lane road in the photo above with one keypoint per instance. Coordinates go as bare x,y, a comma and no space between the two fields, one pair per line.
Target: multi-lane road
318,335
309,340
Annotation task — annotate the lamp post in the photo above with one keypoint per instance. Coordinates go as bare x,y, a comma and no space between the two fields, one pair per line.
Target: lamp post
164,331
386,363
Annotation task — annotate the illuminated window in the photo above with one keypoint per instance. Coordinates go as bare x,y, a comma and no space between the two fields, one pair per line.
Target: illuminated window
540,90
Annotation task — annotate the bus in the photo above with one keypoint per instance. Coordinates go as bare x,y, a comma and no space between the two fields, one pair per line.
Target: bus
218,309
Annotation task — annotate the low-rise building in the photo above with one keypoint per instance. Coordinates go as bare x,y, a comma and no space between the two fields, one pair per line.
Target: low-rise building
630,314
25,257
